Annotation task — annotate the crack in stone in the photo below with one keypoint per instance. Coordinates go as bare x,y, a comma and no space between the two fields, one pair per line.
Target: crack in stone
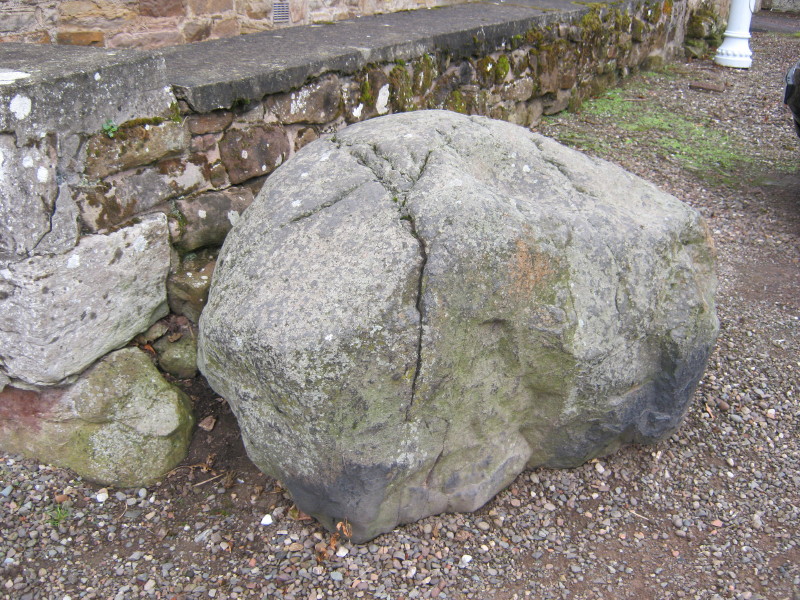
323,206
51,216
429,476
406,215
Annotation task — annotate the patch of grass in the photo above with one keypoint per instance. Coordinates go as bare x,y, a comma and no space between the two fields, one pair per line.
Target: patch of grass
698,147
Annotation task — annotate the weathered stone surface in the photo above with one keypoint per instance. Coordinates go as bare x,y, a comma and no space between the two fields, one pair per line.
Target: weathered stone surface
28,192
254,151
519,90
205,219
189,282
209,123
81,38
120,424
119,197
414,310
58,314
178,357
318,102
77,89
162,8
93,11
146,39
134,145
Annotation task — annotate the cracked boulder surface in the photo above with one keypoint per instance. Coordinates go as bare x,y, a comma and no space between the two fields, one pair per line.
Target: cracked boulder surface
418,307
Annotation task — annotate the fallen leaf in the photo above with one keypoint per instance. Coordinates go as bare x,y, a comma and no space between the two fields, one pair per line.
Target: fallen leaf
298,515
208,423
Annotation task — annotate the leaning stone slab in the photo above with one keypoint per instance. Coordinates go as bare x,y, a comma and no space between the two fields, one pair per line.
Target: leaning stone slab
414,310
58,314
120,424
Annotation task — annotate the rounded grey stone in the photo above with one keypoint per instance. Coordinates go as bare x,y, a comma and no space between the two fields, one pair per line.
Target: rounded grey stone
416,308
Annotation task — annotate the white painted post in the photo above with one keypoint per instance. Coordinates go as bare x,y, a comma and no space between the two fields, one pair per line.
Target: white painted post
735,50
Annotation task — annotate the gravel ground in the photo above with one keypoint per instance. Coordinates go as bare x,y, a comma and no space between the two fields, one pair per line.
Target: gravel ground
712,512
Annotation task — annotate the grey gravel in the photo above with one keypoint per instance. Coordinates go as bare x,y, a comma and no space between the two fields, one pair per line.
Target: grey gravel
712,512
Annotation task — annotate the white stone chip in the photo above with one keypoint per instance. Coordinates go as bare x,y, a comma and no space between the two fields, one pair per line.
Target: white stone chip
267,520
7,77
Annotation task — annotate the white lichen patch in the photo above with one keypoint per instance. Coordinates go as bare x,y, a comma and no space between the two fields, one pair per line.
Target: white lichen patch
74,261
357,111
299,100
7,77
20,106
202,214
233,216
139,244
382,103
42,174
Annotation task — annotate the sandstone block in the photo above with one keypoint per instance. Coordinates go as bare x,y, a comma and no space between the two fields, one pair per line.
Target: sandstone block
119,197
162,8
134,145
146,39
188,284
209,123
205,219
28,192
81,38
202,7
254,151
94,10
120,424
318,102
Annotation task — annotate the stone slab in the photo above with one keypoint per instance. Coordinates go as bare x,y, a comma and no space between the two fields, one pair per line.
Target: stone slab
219,73
60,313
76,89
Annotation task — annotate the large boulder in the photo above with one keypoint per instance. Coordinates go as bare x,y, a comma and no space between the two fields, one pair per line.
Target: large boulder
420,306
120,424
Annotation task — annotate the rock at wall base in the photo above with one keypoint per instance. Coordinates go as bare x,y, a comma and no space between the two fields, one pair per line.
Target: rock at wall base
120,424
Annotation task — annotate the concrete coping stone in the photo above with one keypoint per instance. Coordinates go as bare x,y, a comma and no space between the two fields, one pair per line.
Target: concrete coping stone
219,73
73,88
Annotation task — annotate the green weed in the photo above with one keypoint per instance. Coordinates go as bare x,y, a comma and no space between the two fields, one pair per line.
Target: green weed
110,128
57,514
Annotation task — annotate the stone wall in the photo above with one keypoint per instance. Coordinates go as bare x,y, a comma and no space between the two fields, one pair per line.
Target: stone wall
121,173
785,5
157,23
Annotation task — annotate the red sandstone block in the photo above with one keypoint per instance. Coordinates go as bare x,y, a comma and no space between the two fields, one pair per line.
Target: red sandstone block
80,38
210,7
162,8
